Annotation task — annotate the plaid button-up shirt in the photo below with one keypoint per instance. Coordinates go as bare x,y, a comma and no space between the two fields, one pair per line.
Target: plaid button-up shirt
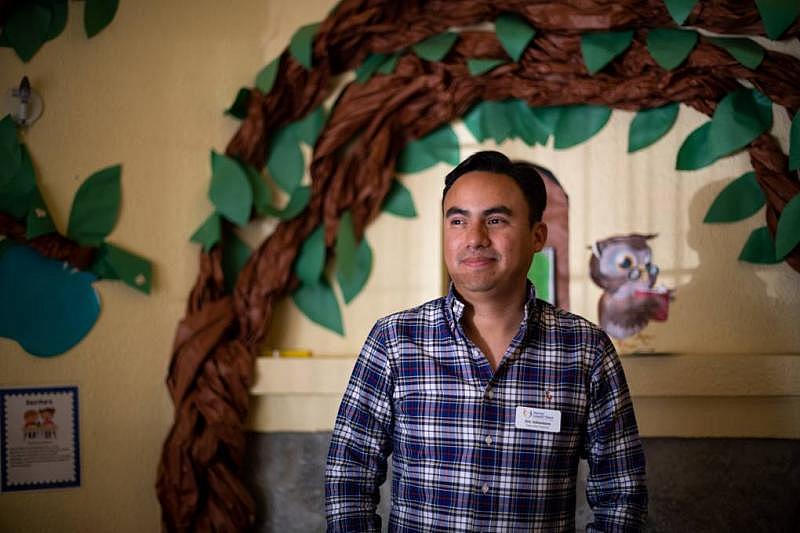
423,392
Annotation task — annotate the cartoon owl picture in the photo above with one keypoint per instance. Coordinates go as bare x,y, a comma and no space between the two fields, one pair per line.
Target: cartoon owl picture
623,267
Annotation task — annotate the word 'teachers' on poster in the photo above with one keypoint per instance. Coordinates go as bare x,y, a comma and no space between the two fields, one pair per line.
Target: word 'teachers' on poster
40,439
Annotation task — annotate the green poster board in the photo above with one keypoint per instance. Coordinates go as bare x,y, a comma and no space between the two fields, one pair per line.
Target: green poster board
543,274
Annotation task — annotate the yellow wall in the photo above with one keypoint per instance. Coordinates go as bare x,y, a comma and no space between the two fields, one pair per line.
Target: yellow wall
149,91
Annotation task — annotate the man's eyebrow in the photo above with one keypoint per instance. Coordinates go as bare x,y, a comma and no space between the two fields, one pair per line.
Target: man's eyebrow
495,210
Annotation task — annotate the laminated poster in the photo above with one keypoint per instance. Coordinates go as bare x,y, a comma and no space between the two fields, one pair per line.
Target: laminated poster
40,445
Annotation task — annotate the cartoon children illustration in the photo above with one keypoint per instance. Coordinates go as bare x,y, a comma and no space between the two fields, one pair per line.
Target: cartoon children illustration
31,427
48,427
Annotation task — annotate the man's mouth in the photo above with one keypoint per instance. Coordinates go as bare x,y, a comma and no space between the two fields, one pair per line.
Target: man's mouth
477,261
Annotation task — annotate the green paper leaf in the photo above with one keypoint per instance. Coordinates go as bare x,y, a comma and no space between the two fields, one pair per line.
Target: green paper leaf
262,194
230,190
787,235
285,162
15,195
695,152
301,45
265,79
26,29
370,65
435,48
740,199
235,254
95,207
599,49
439,145
759,248
58,18
353,260
746,51
473,120
525,124
670,47
548,117
297,203
39,222
794,143
309,127
514,33
741,116
399,201
388,66
238,108
97,15
649,125
318,302
209,233
135,271
679,9
310,260
578,123
477,67
777,15
10,151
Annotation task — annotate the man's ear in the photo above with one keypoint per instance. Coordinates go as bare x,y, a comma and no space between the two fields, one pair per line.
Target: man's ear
538,235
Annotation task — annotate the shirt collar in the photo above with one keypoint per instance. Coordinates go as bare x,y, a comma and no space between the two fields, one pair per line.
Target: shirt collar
456,306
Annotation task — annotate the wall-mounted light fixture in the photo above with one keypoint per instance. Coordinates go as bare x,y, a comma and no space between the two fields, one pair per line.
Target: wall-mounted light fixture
23,103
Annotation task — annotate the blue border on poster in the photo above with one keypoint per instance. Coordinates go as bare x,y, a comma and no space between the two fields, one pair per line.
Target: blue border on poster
4,487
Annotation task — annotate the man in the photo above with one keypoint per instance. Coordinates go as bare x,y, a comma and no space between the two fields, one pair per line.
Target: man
486,398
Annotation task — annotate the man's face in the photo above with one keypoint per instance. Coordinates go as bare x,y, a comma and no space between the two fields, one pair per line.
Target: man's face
488,239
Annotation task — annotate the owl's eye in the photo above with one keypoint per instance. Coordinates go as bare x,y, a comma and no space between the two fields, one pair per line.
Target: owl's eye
625,262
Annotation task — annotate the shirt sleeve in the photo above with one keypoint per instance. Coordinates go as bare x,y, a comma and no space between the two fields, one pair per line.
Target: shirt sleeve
361,442
615,488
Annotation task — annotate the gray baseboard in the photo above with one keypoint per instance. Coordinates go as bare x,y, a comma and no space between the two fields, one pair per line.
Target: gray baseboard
696,485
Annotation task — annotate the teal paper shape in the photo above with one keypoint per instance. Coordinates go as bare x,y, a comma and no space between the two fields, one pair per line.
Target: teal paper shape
435,48
739,200
46,305
514,33
759,248
209,233
599,49
318,302
679,9
297,203
95,207
98,14
266,77
547,117
262,194
388,66
741,116
285,163
578,123
353,259
794,143
308,128
370,65
695,152
670,47
439,145
746,51
649,125
235,254
787,235
525,124
310,260
777,15
230,190
477,67
26,29
399,201
301,44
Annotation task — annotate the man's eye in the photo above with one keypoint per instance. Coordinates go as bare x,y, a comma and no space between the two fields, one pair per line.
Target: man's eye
496,221
456,221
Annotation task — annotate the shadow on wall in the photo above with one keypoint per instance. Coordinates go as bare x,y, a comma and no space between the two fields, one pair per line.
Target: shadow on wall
727,307
695,485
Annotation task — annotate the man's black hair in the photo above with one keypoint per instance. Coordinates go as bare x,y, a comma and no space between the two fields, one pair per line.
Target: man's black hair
524,175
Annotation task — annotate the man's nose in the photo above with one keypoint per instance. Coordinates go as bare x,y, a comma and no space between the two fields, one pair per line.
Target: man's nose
478,235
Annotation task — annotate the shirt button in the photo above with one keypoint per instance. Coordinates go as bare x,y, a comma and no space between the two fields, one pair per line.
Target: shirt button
488,439
489,394
485,488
